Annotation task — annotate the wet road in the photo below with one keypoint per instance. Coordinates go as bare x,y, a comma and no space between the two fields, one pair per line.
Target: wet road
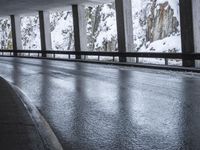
98,107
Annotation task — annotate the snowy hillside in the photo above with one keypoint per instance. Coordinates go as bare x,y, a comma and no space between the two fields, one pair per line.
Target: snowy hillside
156,28
101,27
5,34
155,20
30,32
62,32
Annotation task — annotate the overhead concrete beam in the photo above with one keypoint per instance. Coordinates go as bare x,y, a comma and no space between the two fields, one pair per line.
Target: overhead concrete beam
79,22
45,32
9,7
186,16
196,26
124,26
16,33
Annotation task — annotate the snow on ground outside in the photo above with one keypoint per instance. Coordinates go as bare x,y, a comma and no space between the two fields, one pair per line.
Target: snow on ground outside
59,38
30,32
5,33
63,31
168,44
108,26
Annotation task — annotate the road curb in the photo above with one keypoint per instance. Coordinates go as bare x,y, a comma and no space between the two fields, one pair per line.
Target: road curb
47,135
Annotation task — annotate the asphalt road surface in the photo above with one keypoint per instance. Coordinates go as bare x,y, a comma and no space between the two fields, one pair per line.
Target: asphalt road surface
102,107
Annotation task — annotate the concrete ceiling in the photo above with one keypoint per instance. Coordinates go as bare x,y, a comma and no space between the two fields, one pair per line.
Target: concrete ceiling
9,7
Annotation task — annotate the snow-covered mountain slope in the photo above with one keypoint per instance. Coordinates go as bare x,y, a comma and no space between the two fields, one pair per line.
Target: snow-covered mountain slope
156,28
154,20
101,27
5,34
62,34
30,32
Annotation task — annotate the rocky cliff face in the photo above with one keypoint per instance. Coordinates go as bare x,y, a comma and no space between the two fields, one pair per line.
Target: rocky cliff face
155,24
161,22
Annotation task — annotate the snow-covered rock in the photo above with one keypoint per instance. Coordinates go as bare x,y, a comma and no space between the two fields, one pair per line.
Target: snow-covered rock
62,31
156,28
5,34
30,32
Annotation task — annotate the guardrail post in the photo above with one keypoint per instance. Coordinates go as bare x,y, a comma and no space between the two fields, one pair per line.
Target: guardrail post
45,32
16,33
124,27
137,60
187,36
79,22
113,58
166,61
196,25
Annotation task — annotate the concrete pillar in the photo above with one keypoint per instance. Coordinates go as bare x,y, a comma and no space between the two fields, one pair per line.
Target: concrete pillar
196,26
16,33
45,31
79,22
124,26
187,30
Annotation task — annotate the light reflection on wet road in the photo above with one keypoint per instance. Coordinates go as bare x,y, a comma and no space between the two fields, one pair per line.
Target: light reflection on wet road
93,107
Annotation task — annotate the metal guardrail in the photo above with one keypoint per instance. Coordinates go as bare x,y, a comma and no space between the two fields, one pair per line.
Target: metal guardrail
39,53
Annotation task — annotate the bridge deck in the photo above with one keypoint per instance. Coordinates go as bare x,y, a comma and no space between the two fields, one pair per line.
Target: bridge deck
108,107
